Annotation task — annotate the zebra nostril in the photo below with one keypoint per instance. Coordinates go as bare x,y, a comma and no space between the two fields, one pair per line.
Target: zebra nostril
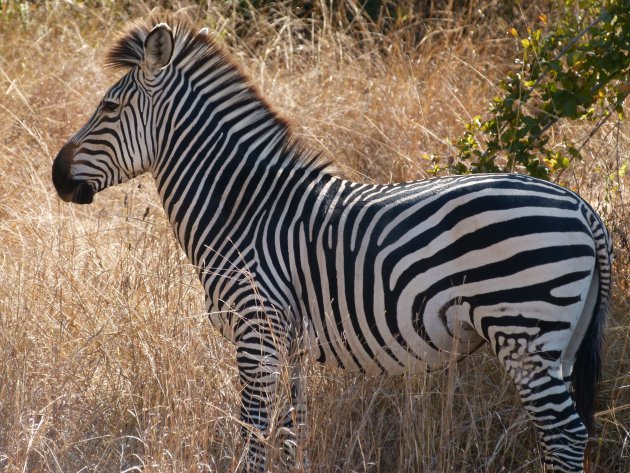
62,180
83,194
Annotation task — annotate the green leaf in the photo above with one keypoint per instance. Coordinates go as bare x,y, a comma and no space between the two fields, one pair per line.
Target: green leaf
569,107
565,103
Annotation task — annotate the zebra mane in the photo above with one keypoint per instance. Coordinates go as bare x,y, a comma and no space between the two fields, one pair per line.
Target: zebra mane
196,47
128,48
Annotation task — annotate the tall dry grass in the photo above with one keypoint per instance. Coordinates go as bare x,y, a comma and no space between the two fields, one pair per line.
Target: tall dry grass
107,362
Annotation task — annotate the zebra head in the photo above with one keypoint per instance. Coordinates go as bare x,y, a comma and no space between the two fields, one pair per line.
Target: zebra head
116,143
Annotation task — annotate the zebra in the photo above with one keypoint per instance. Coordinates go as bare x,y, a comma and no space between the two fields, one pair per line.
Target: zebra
297,262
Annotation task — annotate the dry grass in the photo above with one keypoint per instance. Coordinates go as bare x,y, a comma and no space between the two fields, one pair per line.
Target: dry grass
107,362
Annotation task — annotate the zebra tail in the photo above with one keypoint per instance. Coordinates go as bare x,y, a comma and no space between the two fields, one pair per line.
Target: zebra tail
588,366
587,369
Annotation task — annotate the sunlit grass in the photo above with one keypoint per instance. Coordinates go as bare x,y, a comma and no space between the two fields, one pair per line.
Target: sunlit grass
107,361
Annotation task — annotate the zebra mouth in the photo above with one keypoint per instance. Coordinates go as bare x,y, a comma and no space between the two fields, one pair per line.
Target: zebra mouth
83,193
68,188
76,192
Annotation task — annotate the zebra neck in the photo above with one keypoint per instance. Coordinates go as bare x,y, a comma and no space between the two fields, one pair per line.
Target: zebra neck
224,179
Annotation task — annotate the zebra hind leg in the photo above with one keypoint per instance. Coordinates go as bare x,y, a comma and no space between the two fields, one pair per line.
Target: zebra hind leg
537,374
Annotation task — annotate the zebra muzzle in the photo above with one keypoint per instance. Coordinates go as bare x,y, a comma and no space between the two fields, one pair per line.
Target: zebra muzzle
68,188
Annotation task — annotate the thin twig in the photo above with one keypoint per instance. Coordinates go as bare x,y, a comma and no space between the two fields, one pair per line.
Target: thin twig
599,124
569,46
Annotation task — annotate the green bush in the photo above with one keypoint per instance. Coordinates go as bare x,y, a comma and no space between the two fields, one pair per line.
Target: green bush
579,71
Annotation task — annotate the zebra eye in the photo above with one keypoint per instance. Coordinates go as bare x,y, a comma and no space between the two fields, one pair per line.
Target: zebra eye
109,106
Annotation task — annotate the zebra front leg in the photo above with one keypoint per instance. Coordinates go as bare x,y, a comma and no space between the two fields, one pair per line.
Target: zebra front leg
266,376
259,374
295,427
538,375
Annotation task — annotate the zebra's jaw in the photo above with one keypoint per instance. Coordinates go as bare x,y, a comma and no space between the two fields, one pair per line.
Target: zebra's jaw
68,188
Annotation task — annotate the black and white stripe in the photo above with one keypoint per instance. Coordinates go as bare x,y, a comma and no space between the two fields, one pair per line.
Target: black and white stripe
377,278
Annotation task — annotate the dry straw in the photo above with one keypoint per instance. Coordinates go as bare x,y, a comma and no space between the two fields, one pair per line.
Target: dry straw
107,362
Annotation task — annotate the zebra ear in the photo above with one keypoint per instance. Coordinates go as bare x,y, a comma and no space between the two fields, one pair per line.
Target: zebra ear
158,48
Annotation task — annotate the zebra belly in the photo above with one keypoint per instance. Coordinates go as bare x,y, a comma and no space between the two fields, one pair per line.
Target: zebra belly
393,357
426,329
